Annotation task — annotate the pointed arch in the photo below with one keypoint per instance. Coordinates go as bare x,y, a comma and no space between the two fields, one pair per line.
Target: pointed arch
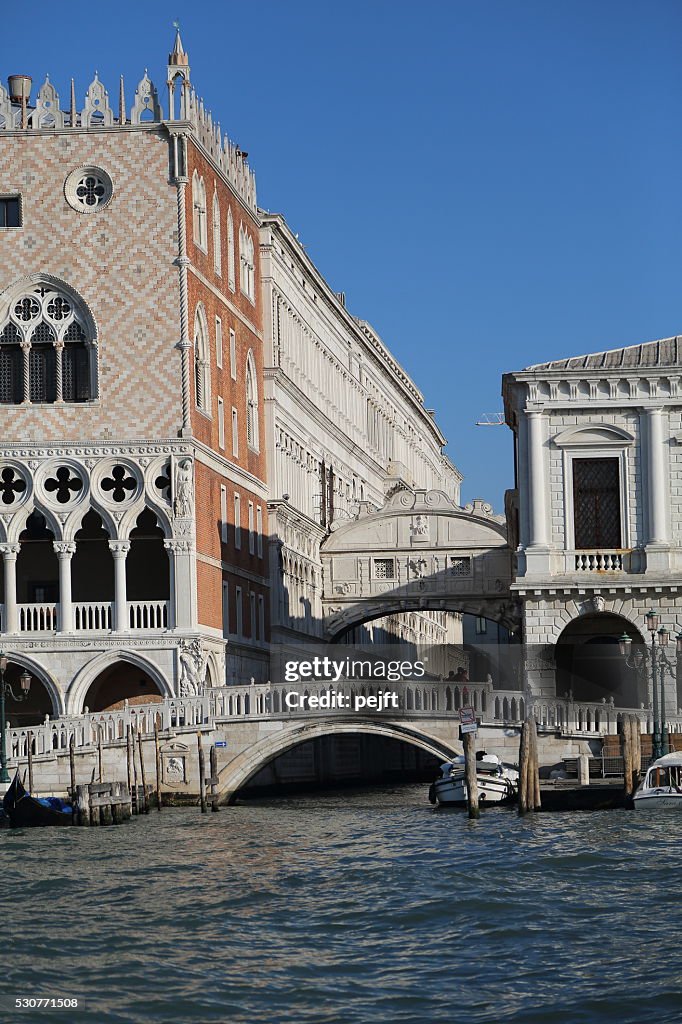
202,363
217,241
230,251
199,211
246,263
252,438
48,343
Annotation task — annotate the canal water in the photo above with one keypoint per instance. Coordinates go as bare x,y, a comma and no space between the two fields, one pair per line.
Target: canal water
347,908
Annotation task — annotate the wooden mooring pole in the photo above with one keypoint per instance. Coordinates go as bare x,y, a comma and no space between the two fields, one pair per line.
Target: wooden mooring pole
469,741
99,753
213,761
535,765
136,790
145,797
202,775
627,757
636,751
29,754
74,793
523,768
128,767
157,751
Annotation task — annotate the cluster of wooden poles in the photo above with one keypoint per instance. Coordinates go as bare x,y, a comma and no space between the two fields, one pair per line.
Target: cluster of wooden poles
529,772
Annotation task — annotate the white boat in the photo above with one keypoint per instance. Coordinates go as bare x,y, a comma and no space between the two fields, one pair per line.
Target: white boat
662,785
498,782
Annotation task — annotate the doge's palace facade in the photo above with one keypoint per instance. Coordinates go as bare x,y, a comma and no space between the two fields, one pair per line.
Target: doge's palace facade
128,251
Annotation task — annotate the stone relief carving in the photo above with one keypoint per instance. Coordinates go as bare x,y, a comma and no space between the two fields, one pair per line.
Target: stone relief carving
193,661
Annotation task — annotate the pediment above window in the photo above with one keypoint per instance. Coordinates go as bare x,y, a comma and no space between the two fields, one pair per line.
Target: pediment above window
594,435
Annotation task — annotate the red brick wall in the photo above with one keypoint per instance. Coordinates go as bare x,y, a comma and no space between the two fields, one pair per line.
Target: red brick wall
248,330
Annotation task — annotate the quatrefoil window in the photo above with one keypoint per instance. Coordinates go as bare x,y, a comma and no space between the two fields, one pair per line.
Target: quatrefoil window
64,484
58,308
11,485
88,189
120,483
163,482
26,309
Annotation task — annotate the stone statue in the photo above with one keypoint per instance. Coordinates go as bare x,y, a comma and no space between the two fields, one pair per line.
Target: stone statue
193,661
418,567
420,527
183,488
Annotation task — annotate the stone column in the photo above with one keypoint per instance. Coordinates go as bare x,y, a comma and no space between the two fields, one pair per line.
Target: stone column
538,512
183,596
119,550
656,476
9,556
59,370
65,551
26,356
170,546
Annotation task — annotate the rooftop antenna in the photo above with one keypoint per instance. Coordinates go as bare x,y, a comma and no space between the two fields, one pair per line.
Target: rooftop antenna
491,419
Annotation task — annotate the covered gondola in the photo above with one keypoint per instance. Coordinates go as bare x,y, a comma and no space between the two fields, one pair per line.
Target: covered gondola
26,811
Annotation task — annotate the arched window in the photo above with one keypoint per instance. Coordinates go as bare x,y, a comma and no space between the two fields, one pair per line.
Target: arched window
217,253
251,403
202,365
247,265
230,250
199,208
47,347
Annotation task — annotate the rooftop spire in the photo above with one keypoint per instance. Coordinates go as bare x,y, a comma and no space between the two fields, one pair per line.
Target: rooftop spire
178,57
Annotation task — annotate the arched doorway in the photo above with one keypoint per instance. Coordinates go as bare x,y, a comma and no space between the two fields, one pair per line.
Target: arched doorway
589,665
37,564
92,566
120,682
37,705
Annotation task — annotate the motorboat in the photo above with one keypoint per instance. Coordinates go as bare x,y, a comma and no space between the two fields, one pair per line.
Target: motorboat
662,784
498,782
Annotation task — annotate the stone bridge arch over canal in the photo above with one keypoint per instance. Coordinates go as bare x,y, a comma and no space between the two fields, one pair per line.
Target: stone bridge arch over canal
269,745
420,551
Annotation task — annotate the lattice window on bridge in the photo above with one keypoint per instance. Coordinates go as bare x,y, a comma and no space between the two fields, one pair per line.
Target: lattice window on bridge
384,568
460,565
596,503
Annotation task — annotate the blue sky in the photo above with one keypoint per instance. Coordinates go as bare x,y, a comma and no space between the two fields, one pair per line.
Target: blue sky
491,183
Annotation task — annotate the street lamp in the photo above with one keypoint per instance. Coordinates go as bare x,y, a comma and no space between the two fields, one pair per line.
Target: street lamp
660,664
6,690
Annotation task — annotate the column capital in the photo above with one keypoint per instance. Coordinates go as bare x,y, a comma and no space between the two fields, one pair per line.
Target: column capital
64,548
9,550
119,548
178,544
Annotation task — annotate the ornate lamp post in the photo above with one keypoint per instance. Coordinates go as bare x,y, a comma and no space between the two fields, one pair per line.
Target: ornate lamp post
660,664
6,690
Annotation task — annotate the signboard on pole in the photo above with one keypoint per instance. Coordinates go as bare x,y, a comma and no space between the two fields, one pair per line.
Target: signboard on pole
467,718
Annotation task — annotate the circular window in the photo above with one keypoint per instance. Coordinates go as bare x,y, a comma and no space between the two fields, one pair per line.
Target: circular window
88,189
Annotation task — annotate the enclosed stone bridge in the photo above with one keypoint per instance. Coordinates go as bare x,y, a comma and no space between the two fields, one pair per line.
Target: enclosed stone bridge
420,551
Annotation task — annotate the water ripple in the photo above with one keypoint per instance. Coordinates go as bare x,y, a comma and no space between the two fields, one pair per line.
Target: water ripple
349,909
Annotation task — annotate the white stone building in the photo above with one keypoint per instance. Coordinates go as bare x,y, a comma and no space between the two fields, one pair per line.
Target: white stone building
345,425
596,517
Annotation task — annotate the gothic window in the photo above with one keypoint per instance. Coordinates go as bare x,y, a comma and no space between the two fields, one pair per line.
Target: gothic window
251,403
230,250
199,211
46,348
246,262
217,254
596,503
202,370
11,370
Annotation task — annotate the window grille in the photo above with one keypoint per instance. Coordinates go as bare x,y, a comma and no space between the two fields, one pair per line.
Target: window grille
11,383
384,568
596,503
460,566
42,376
